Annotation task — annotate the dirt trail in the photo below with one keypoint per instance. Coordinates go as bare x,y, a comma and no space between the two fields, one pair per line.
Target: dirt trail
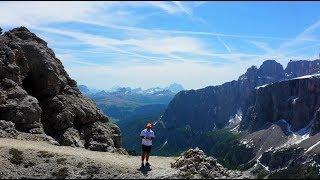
160,166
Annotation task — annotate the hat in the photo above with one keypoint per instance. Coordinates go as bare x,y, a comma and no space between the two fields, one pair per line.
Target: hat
149,125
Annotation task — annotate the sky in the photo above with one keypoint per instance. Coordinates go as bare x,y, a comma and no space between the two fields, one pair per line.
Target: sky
103,44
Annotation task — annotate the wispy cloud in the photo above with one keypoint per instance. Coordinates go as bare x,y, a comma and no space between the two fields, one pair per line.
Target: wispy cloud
171,7
289,47
164,46
224,44
306,35
264,46
183,8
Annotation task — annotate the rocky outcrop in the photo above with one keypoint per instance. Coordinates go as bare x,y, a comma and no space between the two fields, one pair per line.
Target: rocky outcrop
283,158
194,162
39,97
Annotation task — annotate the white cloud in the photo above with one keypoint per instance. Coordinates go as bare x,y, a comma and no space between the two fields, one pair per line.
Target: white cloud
39,13
35,13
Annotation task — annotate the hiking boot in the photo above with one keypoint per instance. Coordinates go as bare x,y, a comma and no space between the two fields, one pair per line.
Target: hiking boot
147,164
142,165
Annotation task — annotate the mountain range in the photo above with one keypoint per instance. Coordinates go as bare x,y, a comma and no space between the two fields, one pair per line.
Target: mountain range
172,88
270,115
125,103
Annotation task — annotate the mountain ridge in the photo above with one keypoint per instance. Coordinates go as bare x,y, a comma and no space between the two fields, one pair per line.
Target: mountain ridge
174,88
261,106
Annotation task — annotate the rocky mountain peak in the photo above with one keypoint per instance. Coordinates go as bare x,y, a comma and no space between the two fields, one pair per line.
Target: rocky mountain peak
250,74
270,71
39,97
270,68
23,34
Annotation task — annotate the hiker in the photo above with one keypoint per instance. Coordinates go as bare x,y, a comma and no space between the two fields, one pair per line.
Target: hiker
147,135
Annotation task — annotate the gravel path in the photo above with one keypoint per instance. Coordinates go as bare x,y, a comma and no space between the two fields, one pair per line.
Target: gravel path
122,166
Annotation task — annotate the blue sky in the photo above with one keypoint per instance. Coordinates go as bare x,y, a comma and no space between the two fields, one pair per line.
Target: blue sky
153,44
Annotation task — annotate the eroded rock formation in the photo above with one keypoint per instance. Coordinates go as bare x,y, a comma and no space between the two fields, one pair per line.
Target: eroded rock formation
38,96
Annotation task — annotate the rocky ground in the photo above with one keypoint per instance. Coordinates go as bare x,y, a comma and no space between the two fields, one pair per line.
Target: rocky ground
35,159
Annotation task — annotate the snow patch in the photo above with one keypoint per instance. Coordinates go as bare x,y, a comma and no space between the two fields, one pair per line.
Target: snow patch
308,76
294,100
236,129
236,118
248,143
270,149
296,137
159,121
312,146
163,145
215,126
234,121
258,162
258,87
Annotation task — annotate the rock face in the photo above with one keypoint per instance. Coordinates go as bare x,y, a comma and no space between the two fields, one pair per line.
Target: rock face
206,108
302,67
39,97
296,101
214,105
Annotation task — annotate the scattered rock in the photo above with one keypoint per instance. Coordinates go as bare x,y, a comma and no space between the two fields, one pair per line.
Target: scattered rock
193,163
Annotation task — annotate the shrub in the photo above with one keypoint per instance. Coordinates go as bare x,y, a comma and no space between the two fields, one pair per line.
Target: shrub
61,160
91,169
17,156
45,154
80,164
29,164
61,173
132,152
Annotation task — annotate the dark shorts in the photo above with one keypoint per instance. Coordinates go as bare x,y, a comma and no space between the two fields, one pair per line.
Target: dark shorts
146,148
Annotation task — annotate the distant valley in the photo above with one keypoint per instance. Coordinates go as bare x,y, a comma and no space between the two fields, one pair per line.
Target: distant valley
125,103
132,108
